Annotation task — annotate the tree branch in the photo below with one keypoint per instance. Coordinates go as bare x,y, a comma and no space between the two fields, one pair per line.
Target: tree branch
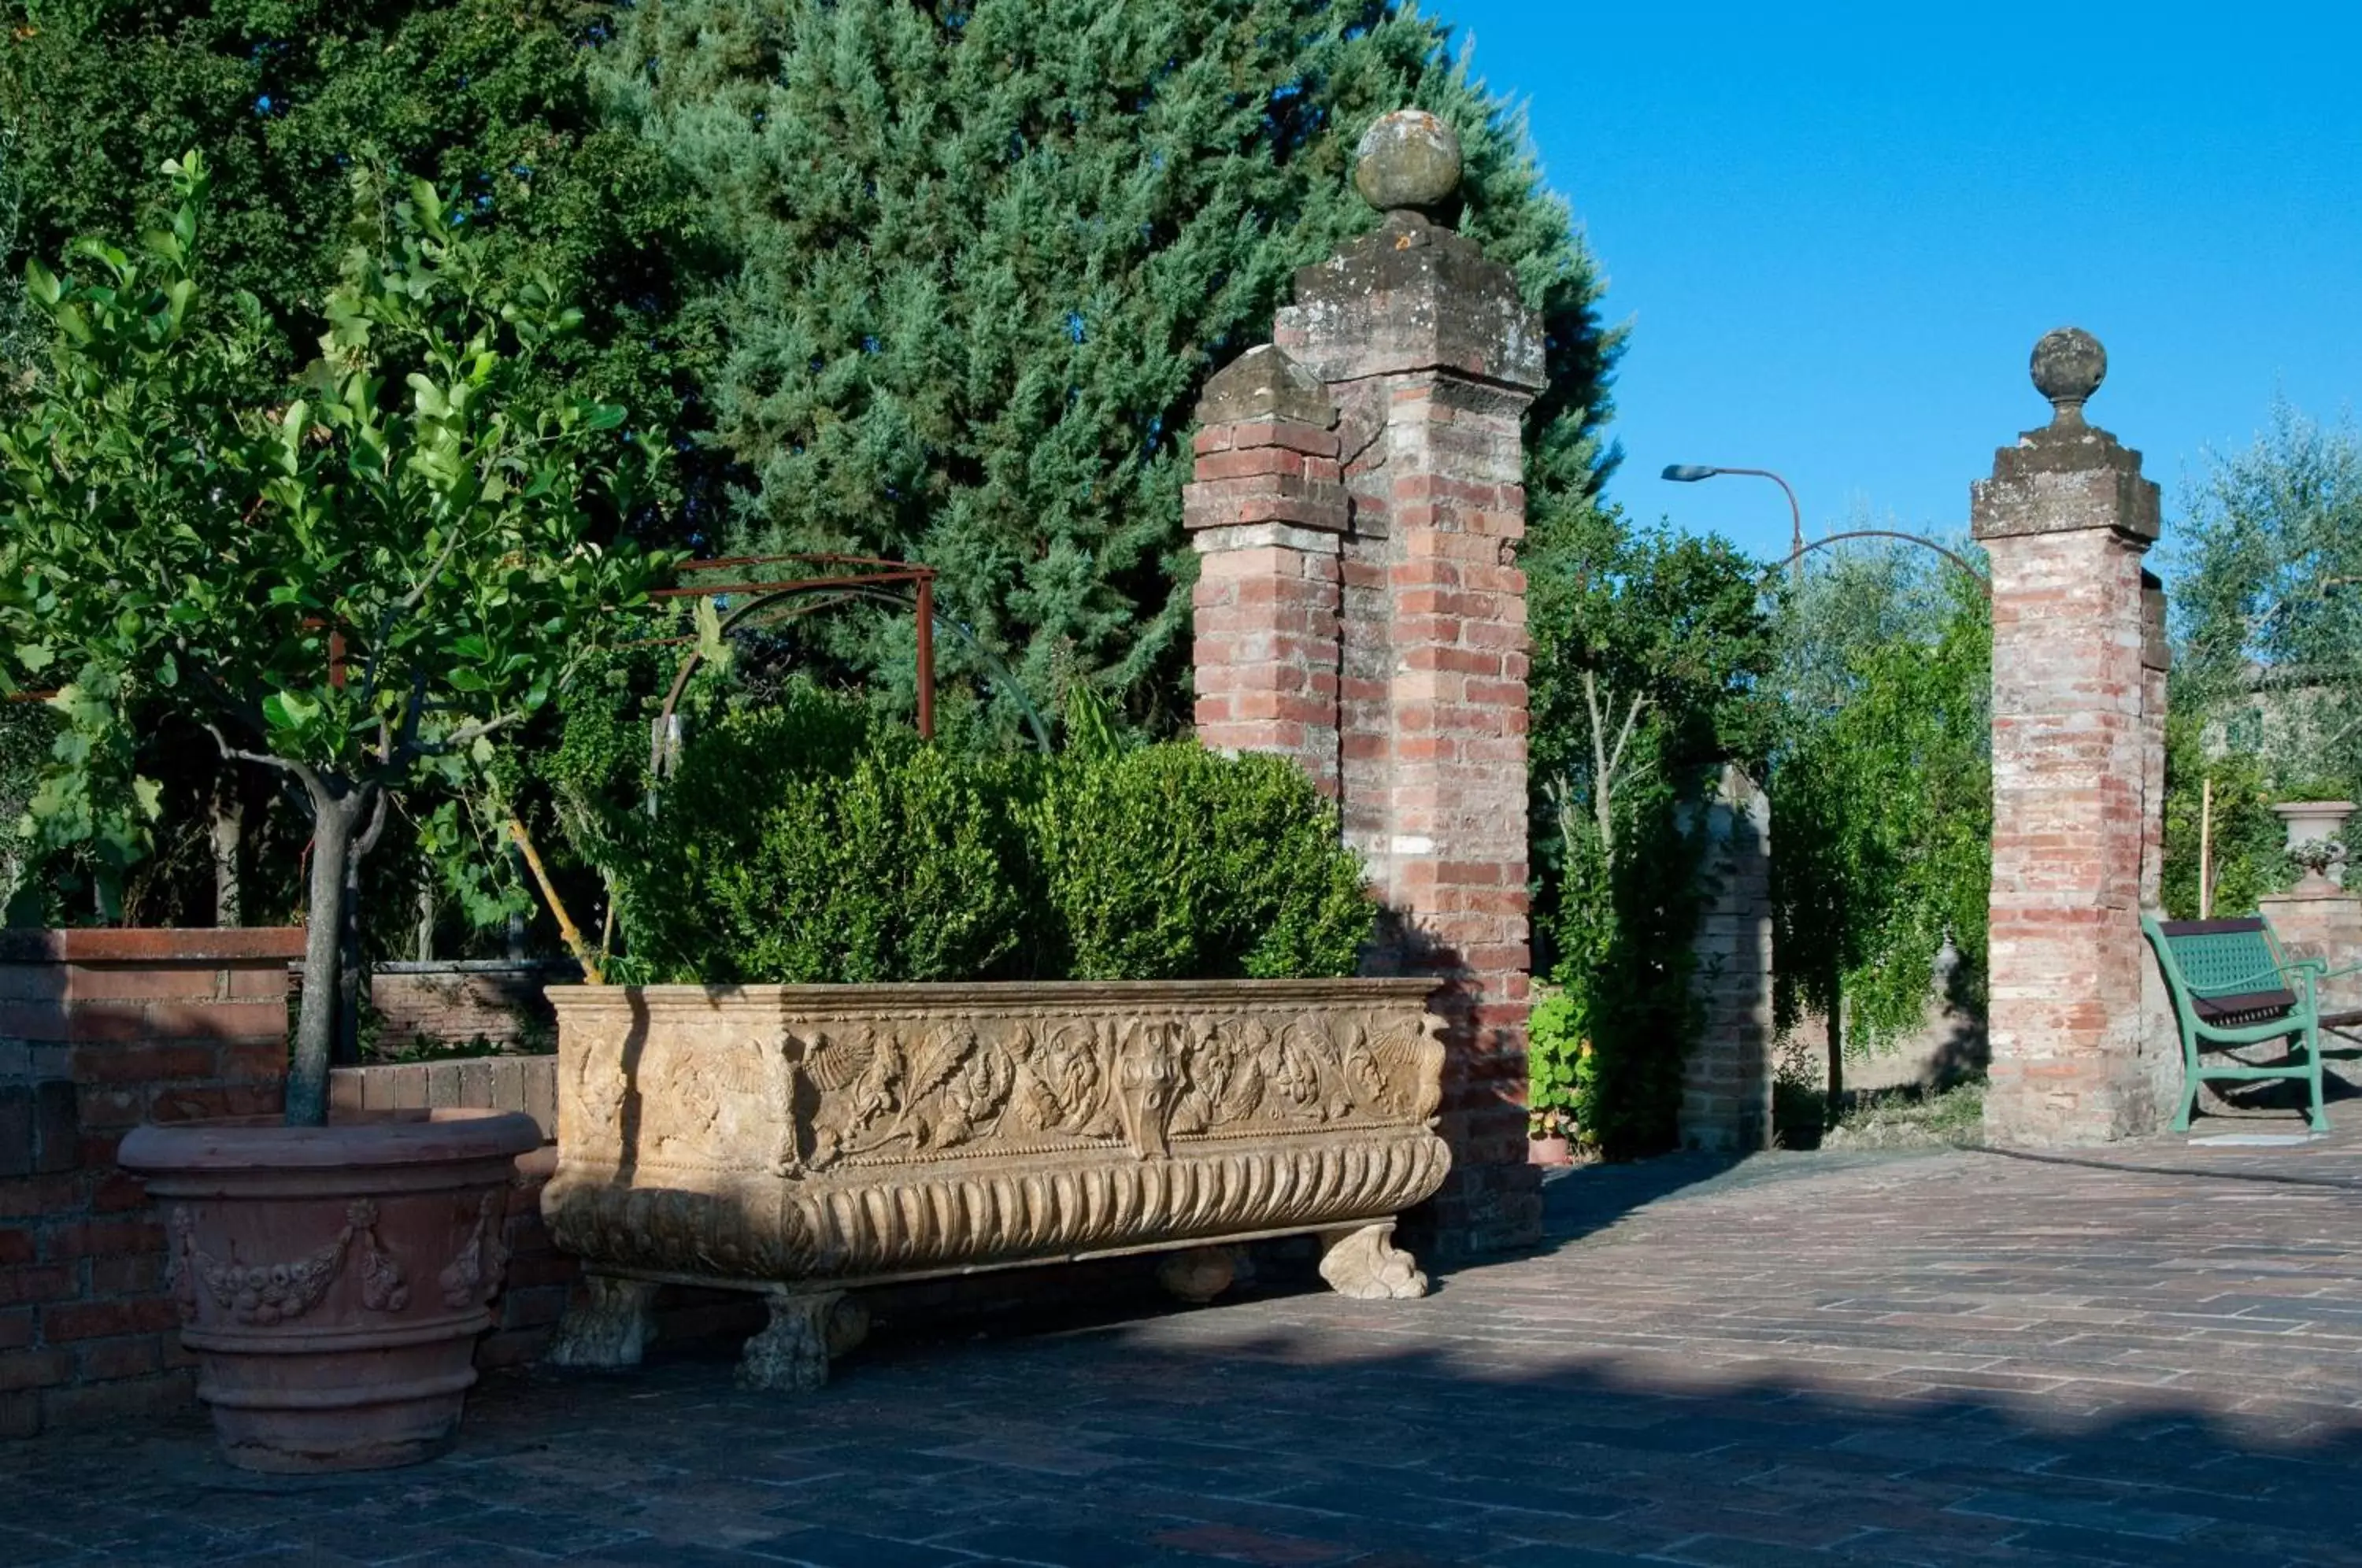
1638,702
304,773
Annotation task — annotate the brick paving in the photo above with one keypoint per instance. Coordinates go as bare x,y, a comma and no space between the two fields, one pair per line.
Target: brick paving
2151,1355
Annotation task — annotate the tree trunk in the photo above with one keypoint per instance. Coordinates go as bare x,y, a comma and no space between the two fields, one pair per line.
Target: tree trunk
352,973
228,833
1836,1102
426,953
333,824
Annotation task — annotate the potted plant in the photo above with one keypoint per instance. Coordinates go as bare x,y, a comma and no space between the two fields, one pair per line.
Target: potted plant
2315,823
346,581
1554,1052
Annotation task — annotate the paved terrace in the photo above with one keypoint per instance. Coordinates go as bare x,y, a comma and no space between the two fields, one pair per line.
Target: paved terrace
2153,1356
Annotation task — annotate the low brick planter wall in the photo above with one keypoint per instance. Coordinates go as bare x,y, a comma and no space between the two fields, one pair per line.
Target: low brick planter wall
528,1084
100,1030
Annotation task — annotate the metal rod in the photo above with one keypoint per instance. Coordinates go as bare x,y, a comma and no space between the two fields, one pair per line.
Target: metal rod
927,608
1953,557
1795,512
2206,848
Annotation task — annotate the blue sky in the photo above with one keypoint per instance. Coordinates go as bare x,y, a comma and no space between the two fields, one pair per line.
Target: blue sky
1836,232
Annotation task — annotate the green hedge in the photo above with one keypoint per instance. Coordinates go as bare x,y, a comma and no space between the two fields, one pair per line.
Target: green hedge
806,843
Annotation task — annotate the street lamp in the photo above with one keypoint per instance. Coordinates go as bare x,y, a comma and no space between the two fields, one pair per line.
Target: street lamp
1690,473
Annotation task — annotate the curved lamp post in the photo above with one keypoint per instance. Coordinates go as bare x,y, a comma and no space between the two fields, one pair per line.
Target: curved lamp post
1690,473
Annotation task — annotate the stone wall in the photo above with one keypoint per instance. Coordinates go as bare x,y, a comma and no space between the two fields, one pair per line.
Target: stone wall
2323,925
99,1031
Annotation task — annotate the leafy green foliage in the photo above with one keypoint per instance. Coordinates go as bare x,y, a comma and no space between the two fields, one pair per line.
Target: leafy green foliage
1173,862
26,732
809,840
1621,933
1881,793
487,99
1556,1047
1648,647
352,580
2266,565
892,872
1671,623
985,256
2247,844
89,816
2266,591
406,501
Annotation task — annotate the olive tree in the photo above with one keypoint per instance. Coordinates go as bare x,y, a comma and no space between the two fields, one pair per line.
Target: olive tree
348,580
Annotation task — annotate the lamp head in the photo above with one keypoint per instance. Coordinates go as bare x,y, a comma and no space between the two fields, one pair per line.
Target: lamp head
1689,473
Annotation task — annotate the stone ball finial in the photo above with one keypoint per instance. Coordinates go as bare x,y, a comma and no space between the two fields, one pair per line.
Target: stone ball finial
1407,160
2067,367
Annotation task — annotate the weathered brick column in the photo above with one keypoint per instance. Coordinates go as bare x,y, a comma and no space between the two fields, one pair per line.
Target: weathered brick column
1727,1076
2077,769
1428,358
1267,514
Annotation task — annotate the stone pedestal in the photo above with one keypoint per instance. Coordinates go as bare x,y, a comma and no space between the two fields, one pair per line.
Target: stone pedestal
1425,359
2078,771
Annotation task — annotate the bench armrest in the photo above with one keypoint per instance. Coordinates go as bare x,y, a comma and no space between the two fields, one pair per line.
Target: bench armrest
2262,979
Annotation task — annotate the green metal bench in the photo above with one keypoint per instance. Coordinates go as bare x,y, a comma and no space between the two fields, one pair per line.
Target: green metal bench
2234,985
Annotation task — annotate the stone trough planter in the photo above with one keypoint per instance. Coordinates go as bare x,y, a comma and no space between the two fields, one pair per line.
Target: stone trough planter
801,1141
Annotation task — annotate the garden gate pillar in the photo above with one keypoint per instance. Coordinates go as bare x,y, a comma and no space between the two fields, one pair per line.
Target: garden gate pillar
2077,749
1427,357
1727,1076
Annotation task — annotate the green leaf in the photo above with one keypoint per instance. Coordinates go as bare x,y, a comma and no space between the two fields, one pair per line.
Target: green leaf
289,710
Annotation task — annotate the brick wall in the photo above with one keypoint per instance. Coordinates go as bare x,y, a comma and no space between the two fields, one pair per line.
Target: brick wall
99,1031
497,1000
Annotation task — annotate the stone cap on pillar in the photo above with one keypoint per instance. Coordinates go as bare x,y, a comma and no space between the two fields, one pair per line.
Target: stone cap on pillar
1266,469
1412,295
1264,386
2070,474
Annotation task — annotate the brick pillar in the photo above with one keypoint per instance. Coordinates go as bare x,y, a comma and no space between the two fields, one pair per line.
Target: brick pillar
2065,519
1428,358
2161,1037
1726,1078
1266,512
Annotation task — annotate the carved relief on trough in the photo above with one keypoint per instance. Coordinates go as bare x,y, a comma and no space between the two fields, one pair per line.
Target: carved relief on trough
808,1137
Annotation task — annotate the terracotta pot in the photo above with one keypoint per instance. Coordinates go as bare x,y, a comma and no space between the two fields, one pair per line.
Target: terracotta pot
332,1280
1549,1151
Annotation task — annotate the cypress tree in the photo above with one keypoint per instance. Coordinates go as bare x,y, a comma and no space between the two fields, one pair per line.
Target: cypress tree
984,253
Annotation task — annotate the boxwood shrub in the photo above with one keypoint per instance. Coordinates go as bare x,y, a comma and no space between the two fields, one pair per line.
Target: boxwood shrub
806,842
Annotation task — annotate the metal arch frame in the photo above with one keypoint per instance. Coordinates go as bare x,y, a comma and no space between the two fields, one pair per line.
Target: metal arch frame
879,587
1983,583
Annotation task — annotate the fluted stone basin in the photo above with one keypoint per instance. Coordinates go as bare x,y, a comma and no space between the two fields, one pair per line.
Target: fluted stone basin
805,1139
